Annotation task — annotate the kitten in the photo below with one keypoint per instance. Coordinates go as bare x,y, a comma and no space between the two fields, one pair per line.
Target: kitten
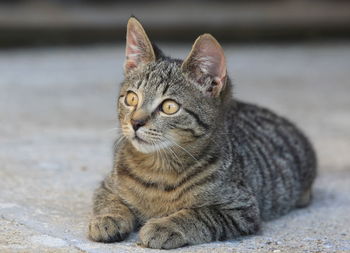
193,164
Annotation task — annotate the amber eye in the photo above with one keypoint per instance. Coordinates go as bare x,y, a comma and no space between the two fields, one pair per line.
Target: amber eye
131,99
170,107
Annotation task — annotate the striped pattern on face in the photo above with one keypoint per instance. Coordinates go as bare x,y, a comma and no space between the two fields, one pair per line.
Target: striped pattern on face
157,83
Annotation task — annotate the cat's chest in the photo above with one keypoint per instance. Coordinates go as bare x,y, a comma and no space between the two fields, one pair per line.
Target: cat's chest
153,202
154,195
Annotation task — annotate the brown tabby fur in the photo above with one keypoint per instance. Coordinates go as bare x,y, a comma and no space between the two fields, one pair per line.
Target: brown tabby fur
211,171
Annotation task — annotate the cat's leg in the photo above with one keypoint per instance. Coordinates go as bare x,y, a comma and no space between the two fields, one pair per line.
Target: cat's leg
112,220
200,225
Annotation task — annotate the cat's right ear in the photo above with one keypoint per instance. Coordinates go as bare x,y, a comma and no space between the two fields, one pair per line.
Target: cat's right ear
139,49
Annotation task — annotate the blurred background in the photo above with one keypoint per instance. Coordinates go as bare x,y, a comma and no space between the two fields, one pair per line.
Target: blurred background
54,22
61,64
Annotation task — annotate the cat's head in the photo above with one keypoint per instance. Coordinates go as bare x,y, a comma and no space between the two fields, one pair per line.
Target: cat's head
165,102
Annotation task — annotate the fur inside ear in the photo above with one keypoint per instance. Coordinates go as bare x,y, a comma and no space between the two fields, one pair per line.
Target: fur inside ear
206,64
138,49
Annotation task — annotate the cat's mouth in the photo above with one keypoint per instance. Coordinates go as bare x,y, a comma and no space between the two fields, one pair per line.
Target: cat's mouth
139,139
145,146
142,145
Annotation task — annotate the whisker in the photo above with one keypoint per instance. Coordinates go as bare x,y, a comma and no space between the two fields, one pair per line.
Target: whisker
118,141
177,158
113,129
181,148
159,152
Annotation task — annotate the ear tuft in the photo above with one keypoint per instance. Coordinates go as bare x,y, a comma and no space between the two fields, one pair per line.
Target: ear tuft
138,49
206,64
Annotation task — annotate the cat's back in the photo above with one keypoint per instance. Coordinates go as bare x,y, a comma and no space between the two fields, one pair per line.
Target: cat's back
278,162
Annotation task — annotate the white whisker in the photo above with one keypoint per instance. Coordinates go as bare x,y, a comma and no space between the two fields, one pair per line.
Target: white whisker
173,142
177,158
116,143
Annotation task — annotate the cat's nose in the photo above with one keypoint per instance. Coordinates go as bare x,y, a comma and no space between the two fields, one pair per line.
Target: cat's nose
136,124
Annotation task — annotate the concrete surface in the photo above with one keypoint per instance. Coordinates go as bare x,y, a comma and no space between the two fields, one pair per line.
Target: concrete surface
57,125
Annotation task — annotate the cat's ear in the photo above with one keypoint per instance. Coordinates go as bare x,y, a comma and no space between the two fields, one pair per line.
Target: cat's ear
206,64
138,49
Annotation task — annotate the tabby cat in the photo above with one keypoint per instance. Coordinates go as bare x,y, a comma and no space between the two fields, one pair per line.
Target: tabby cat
193,164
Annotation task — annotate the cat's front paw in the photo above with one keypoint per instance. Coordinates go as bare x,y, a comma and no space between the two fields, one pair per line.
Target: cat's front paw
161,234
108,229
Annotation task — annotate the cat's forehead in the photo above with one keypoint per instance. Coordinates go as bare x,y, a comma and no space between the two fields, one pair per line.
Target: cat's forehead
162,71
161,77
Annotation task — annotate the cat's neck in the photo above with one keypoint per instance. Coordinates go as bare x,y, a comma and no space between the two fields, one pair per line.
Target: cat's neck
176,158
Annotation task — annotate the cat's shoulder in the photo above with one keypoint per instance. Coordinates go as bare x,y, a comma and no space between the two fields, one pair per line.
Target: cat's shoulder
254,112
246,107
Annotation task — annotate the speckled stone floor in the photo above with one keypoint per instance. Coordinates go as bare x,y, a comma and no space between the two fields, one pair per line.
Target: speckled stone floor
57,125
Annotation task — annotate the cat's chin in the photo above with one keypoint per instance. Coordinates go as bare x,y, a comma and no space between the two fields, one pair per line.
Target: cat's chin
146,144
147,148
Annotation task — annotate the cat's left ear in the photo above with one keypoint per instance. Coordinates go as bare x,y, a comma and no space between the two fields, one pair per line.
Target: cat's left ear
139,49
206,64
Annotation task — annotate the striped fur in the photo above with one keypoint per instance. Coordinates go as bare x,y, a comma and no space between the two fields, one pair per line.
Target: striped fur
215,170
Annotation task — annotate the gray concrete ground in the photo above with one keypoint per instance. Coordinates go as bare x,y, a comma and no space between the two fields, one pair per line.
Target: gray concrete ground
57,125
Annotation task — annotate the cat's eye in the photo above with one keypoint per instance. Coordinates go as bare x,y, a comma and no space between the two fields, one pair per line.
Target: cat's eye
131,99
170,107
